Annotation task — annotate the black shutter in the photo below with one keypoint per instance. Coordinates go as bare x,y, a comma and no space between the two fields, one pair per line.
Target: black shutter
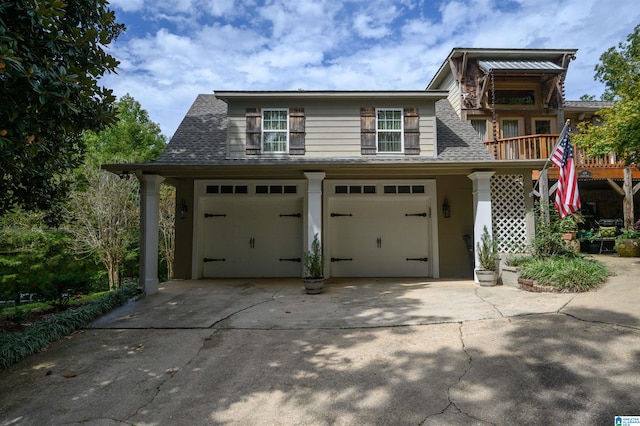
368,131
254,131
411,131
296,131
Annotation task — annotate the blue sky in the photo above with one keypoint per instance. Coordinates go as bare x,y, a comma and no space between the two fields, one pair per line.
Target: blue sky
174,50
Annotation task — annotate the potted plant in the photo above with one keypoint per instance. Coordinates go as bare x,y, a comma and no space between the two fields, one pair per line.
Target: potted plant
487,253
314,268
568,227
628,243
510,271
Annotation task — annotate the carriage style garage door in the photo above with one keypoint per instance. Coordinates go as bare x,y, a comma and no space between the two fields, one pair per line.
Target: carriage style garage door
380,236
252,236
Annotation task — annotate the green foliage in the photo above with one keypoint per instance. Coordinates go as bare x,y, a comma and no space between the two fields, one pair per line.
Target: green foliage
37,260
52,56
548,241
15,346
518,259
619,130
574,273
133,138
487,251
314,260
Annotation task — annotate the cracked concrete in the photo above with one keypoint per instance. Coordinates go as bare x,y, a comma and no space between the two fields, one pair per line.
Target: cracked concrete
367,351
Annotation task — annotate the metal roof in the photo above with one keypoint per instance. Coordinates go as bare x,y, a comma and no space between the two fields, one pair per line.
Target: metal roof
521,66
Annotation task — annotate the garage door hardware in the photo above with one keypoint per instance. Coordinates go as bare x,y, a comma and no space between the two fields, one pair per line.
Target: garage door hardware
341,259
207,259
214,215
293,259
340,214
416,214
419,259
291,215
379,242
252,243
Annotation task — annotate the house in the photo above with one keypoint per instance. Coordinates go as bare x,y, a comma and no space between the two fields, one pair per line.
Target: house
514,98
393,183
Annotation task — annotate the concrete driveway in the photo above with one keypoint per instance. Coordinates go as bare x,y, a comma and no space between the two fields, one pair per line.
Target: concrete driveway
366,351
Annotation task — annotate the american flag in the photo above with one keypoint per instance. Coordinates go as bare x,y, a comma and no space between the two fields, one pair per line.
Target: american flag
567,196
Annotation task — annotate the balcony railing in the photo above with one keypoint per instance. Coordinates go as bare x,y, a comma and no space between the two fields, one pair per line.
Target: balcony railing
539,147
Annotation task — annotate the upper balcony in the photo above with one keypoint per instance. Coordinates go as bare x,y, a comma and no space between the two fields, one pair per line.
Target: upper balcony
539,147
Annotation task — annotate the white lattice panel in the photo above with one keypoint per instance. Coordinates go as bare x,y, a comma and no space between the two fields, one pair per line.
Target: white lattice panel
508,213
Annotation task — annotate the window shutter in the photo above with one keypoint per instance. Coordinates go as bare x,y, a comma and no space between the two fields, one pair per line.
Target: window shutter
254,131
296,131
368,131
411,131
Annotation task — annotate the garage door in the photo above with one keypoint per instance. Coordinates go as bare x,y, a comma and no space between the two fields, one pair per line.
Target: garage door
383,238
252,237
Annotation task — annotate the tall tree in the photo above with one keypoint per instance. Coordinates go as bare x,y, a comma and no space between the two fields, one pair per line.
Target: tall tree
52,55
104,206
105,219
134,138
619,129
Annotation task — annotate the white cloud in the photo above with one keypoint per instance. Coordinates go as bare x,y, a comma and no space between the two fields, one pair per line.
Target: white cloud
197,46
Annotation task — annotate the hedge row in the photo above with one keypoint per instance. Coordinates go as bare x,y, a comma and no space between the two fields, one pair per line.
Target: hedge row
15,346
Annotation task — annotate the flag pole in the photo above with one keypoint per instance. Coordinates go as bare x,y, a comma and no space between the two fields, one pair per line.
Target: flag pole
544,194
546,164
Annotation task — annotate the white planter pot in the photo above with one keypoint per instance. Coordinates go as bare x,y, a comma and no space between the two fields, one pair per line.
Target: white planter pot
509,276
487,278
313,285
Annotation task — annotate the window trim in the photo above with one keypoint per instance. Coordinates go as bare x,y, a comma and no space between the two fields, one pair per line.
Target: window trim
401,131
264,131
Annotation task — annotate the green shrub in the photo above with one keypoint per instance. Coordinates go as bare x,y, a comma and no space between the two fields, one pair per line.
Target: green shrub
15,346
566,273
518,259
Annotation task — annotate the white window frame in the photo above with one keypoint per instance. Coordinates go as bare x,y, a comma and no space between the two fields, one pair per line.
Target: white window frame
401,131
267,131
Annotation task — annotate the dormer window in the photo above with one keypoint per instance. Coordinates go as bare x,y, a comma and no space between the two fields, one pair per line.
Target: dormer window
389,130
275,130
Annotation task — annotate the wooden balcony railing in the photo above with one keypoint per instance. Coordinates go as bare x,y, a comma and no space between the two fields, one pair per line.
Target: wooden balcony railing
539,147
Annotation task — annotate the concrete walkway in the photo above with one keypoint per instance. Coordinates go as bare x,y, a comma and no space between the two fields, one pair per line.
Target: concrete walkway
366,351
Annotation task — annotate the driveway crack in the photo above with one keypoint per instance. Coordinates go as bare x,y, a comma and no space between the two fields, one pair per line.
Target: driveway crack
489,303
452,405
271,299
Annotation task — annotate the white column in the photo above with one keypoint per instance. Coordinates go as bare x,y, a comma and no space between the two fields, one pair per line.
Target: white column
314,206
149,217
481,208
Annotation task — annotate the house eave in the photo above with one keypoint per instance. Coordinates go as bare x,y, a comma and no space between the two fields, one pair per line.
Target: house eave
370,169
434,95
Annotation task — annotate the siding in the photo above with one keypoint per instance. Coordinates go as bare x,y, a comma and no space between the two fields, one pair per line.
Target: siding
332,128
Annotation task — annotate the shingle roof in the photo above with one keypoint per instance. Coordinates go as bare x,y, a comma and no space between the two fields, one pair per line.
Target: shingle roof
588,104
202,135
457,139
201,140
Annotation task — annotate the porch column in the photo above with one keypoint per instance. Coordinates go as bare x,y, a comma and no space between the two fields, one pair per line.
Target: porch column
314,208
481,208
149,217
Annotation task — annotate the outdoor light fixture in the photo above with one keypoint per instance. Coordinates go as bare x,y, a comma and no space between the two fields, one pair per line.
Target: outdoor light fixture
446,208
183,209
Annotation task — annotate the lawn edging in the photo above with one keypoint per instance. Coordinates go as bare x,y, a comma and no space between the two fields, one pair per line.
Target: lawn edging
15,346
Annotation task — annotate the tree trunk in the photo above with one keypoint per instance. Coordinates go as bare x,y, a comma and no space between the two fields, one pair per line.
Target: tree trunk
627,202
